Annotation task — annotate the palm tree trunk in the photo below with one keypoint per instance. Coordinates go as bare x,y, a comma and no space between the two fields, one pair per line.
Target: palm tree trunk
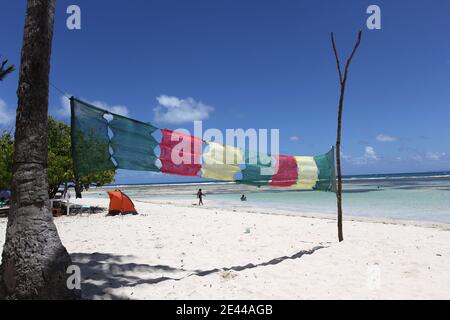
34,261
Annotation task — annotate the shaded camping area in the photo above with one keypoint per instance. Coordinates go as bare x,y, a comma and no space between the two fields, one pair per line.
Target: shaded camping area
120,204
60,208
62,204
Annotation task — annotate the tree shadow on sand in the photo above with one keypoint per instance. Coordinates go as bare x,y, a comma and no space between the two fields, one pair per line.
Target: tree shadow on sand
102,272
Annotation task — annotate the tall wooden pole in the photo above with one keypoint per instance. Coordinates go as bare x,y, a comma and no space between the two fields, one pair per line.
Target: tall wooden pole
342,82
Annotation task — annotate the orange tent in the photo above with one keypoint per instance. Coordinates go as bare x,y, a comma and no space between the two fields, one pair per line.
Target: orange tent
120,203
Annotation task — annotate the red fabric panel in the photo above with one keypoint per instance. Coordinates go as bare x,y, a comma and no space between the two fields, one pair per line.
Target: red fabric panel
180,153
287,173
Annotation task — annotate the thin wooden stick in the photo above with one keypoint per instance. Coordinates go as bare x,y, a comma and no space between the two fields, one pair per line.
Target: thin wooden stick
337,58
342,82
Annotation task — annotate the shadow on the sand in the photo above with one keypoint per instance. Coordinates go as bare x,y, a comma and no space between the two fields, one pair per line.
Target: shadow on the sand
102,272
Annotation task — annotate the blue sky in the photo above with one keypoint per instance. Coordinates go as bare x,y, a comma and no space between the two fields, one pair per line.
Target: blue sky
259,64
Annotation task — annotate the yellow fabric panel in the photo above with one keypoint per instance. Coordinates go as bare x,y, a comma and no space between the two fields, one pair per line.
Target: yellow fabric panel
220,154
308,173
222,172
221,162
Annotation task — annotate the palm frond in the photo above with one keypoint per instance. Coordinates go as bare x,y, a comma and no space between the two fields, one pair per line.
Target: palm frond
5,70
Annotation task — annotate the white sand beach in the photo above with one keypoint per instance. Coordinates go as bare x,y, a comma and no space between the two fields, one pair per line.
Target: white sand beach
179,251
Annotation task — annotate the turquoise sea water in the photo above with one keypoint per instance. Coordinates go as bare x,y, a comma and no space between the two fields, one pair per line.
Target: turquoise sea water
421,197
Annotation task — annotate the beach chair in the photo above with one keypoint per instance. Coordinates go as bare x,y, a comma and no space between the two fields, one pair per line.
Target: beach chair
63,203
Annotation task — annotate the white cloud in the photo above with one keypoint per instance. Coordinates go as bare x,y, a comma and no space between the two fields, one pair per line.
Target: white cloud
430,156
64,111
118,109
294,138
176,111
370,153
6,115
369,157
346,157
436,156
386,138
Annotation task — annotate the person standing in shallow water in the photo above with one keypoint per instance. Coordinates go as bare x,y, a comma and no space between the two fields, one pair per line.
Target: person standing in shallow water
200,195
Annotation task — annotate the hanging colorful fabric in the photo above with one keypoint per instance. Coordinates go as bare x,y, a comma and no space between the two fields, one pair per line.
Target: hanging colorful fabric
221,162
180,153
327,172
286,172
258,169
133,144
308,173
90,140
316,173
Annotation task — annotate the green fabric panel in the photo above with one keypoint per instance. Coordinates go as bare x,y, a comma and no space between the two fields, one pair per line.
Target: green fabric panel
133,144
327,172
90,140
252,174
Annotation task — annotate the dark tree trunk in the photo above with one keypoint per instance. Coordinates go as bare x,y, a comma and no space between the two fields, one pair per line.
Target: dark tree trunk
53,190
342,82
34,261
78,189
65,190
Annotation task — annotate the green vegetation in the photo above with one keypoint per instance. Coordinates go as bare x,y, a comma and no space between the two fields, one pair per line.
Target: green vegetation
6,159
60,165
